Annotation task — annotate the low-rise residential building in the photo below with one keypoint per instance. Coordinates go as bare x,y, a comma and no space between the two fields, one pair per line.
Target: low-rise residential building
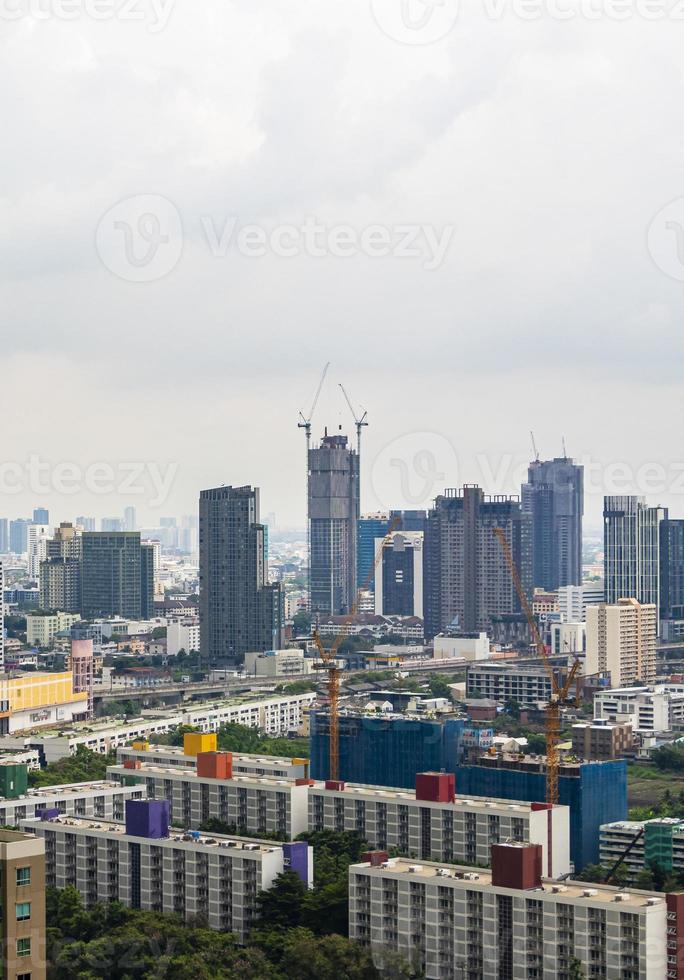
248,804
182,634
41,628
649,710
144,865
100,799
601,740
510,923
644,844
506,682
274,715
278,663
432,823
170,756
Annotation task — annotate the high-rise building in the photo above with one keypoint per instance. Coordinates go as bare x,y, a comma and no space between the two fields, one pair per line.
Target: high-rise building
41,515
2,617
467,582
374,526
632,549
148,577
60,571
621,641
86,523
239,610
112,575
4,535
333,509
110,525
22,910
37,538
554,497
18,536
82,664
130,519
399,575
672,578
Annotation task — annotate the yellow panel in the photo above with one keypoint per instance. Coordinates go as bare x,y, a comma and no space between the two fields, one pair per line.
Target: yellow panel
196,742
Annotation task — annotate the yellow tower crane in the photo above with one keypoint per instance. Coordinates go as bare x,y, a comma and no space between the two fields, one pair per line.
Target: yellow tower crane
560,692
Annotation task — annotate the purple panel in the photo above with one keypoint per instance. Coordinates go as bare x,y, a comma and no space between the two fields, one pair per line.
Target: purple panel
147,818
47,814
297,859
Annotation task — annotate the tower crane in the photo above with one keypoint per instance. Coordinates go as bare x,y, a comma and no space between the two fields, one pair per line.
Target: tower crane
306,421
328,659
534,447
560,693
359,422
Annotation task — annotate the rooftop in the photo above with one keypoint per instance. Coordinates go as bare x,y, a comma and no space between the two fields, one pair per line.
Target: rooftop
167,772
178,750
482,878
469,802
191,838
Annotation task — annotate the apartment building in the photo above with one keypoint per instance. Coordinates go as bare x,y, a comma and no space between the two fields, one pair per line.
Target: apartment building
42,628
644,843
503,682
601,740
434,824
647,709
102,798
278,715
22,906
249,804
510,923
621,641
185,757
145,866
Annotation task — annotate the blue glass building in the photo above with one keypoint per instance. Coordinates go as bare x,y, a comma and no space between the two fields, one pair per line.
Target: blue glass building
372,526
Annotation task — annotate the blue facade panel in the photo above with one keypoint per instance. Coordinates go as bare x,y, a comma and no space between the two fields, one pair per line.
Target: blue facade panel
598,795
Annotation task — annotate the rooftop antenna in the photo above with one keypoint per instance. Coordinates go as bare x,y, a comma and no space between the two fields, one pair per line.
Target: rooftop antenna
565,452
534,447
360,422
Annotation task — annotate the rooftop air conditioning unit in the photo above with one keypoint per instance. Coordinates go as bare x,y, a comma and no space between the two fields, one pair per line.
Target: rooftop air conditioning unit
415,867
589,893
622,897
469,876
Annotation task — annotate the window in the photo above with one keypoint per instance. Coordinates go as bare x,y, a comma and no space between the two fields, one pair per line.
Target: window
23,911
23,947
23,876
23,976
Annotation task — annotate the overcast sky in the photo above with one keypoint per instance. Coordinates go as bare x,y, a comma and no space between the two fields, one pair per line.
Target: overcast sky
519,163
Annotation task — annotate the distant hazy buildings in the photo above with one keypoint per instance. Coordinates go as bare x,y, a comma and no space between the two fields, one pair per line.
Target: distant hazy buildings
399,575
18,536
554,498
333,513
466,579
4,535
632,549
621,640
239,610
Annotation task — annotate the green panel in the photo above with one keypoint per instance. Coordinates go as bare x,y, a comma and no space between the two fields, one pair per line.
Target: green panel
13,780
658,845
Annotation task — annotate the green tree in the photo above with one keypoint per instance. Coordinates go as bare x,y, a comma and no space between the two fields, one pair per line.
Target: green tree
83,766
576,971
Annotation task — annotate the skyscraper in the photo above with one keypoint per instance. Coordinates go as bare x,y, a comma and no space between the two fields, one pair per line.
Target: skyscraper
399,575
631,532
466,580
240,611
333,508
41,515
554,497
4,535
130,519
672,578
374,526
112,575
18,536
37,539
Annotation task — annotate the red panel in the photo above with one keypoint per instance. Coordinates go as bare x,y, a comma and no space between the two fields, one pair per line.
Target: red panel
132,764
436,787
305,782
517,866
375,858
334,784
675,936
540,806
215,765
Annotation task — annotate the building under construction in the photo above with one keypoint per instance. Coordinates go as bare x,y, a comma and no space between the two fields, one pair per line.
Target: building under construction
333,509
